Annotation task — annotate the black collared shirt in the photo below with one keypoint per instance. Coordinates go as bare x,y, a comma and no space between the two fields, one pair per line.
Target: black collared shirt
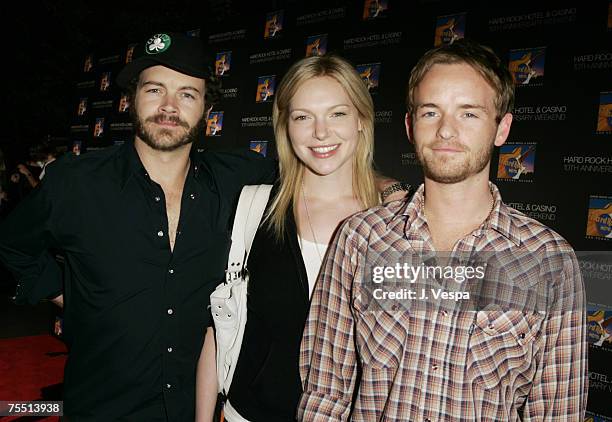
135,312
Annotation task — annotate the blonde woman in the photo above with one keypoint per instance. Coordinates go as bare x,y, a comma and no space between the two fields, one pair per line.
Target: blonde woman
324,127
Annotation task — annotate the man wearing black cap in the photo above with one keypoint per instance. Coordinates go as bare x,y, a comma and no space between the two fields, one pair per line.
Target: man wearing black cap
144,229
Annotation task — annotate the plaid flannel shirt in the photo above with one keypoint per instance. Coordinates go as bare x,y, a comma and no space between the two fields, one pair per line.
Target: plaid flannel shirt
470,365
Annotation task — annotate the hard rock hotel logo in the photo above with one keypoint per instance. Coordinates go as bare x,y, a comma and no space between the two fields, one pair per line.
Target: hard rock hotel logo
516,162
88,64
82,109
129,54
370,75
527,66
604,117
124,104
76,147
265,88
214,124
274,24
99,127
449,29
599,223
223,63
373,9
316,45
599,322
105,81
260,147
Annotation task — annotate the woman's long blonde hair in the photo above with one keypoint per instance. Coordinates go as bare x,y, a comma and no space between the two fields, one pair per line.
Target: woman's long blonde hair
291,168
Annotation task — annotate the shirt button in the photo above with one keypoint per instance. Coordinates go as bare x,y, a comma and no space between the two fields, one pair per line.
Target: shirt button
192,196
157,199
160,233
444,313
171,271
169,349
170,311
434,367
168,386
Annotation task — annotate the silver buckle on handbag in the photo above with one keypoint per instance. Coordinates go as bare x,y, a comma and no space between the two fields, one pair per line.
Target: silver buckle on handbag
231,276
236,274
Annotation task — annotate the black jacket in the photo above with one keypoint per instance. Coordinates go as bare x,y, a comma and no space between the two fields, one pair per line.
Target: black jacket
266,384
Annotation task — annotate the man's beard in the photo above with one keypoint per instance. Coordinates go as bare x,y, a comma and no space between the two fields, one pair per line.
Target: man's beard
166,139
450,170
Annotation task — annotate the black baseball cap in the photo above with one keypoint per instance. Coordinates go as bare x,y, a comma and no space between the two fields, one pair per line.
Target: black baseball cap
174,50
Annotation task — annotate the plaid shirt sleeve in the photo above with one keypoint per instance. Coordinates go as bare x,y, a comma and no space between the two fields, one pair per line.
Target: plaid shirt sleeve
560,387
328,365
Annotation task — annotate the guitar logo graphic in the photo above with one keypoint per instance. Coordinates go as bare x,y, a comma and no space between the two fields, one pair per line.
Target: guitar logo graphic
214,124
604,119
265,89
523,69
512,165
274,24
599,222
600,328
449,29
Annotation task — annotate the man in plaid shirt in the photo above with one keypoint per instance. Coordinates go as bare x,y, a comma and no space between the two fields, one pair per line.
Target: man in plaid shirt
515,349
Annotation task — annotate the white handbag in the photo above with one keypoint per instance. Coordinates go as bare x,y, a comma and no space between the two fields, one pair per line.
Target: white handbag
229,300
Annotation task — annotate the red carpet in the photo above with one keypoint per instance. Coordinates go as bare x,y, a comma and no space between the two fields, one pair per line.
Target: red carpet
27,365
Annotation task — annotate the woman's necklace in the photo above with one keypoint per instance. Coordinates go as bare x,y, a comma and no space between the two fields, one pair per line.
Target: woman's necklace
310,223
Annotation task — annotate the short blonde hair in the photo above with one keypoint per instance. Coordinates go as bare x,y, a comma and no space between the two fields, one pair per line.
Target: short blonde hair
479,57
291,168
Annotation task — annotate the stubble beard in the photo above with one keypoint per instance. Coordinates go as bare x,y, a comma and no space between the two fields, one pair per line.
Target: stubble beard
450,170
161,139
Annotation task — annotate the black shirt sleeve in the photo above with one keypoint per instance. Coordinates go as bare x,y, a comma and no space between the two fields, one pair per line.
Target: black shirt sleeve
25,239
259,170
234,169
243,167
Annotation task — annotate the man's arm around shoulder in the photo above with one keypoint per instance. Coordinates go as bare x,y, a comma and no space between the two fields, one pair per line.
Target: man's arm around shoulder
25,237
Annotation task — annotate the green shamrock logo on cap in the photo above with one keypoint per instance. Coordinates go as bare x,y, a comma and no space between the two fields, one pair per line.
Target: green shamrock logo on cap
158,43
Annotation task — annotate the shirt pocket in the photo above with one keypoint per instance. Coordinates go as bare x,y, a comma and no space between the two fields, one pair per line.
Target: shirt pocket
381,336
502,345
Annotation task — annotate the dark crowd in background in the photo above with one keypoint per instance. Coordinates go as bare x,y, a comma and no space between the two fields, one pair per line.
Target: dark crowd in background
21,173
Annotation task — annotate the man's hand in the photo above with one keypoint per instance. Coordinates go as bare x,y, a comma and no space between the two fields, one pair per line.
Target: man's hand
383,183
395,196
28,175
23,169
58,300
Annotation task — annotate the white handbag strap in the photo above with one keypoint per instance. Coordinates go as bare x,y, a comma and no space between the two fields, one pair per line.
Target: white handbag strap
251,206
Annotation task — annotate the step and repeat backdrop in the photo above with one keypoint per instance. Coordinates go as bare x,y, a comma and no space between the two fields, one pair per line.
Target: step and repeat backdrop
555,167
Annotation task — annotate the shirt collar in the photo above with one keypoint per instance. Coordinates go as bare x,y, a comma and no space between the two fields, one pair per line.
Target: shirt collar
130,164
413,207
500,219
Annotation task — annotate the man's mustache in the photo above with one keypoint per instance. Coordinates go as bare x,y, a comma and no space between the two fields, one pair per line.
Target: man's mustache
453,145
163,118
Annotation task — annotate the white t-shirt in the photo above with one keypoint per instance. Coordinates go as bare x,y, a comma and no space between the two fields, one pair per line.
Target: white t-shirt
312,253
